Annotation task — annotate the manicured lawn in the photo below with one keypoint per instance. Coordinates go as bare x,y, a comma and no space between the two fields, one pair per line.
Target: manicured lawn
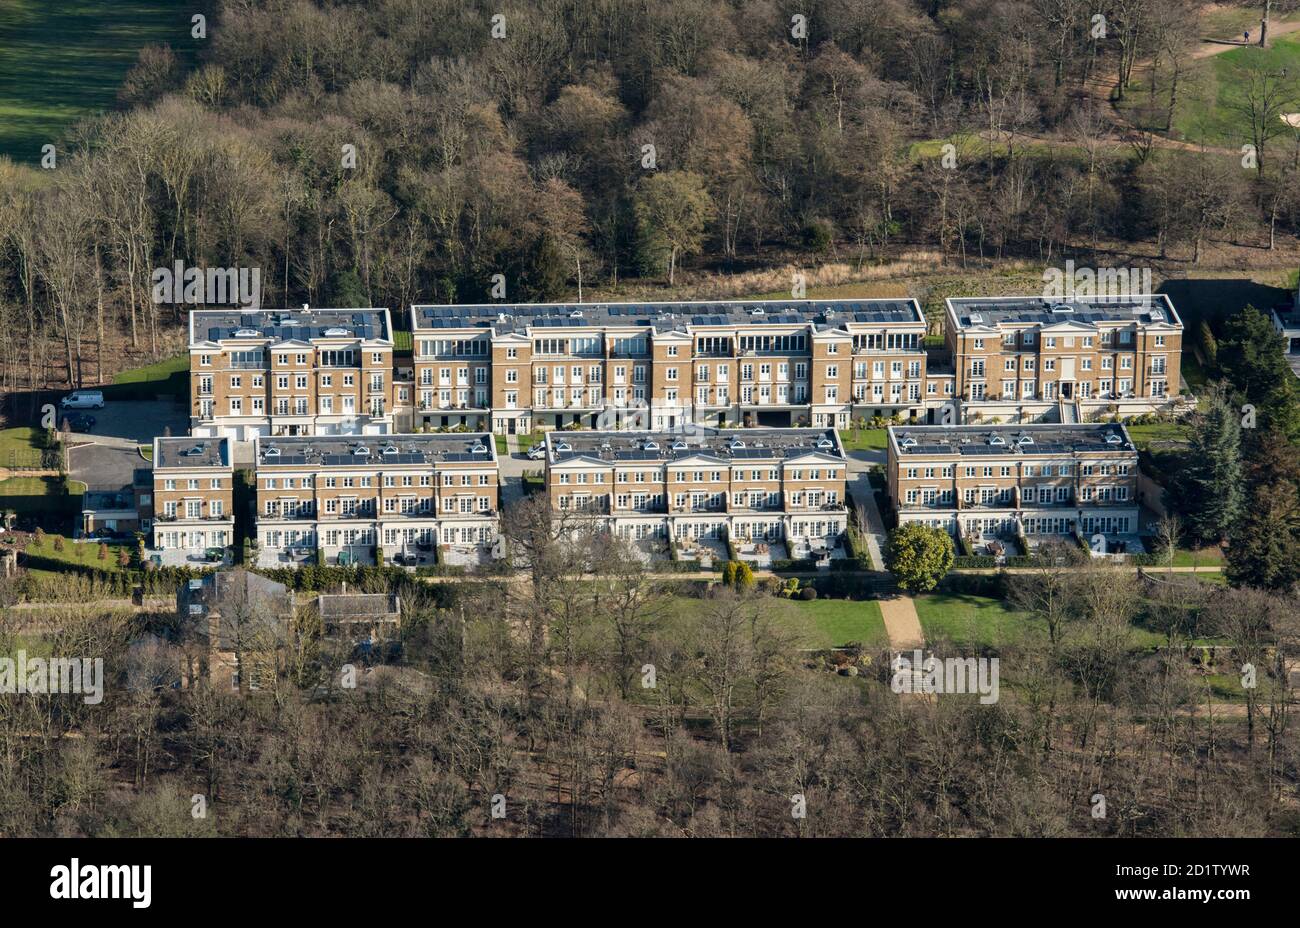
1164,432
20,447
527,441
818,623
864,439
977,621
26,495
85,554
144,383
837,622
64,60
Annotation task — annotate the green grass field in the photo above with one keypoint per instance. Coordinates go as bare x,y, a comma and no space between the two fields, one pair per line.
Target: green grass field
528,440
170,376
85,554
837,622
1211,90
26,495
20,448
1159,432
973,621
864,439
63,60
818,623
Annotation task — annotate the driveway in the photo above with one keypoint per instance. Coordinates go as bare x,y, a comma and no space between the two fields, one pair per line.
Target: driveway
104,466
135,422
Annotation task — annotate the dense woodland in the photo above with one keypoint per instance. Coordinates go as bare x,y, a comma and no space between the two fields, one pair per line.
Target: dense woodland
537,693
574,144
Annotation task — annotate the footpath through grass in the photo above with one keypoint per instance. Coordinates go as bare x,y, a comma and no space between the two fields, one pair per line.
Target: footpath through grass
64,60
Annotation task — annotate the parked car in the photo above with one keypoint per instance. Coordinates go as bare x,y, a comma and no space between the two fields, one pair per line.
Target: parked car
79,422
537,452
83,399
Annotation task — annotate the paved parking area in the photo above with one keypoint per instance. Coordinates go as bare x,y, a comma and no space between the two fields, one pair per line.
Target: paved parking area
136,422
104,466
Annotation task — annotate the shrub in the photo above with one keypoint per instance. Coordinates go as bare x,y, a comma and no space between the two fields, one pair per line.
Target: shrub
808,593
103,552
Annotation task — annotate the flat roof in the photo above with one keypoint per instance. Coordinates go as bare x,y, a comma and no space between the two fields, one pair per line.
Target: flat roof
1033,438
1034,310
376,450
727,444
504,318
306,325
190,452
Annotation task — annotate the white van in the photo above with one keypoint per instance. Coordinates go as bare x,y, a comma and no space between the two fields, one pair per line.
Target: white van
83,399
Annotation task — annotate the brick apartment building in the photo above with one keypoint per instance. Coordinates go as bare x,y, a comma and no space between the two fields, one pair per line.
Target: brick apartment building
191,504
1021,359
516,368
778,485
1045,479
290,372
404,494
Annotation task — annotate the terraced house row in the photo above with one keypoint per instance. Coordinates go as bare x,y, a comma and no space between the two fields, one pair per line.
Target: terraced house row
510,368
1001,482
1023,360
776,485
359,499
516,368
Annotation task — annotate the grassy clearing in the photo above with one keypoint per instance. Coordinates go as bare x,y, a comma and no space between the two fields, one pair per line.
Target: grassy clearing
84,554
502,448
1163,432
837,622
1211,90
864,439
818,623
27,495
20,447
974,621
170,376
63,60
